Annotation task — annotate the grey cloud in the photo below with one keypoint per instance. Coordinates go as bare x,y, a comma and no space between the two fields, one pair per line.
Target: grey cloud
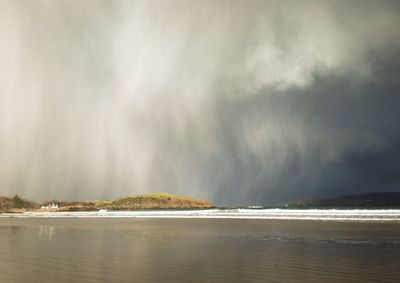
236,101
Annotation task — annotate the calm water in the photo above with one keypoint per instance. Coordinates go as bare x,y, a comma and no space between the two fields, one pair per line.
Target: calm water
197,250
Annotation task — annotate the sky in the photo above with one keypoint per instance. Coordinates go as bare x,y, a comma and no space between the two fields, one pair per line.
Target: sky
239,102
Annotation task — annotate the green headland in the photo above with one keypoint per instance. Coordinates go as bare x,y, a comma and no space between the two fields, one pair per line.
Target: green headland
132,202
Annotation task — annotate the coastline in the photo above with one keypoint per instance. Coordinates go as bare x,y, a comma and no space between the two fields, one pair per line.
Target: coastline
354,215
131,202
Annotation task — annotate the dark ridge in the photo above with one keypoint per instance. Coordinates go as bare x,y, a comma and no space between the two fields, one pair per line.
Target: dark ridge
374,199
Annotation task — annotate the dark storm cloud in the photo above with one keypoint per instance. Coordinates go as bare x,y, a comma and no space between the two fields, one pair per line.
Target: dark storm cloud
333,138
237,101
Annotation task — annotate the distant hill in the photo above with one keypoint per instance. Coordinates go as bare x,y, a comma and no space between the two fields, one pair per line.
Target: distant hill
153,201
387,199
16,204
146,201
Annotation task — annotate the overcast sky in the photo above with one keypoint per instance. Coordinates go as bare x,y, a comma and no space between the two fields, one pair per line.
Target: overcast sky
240,102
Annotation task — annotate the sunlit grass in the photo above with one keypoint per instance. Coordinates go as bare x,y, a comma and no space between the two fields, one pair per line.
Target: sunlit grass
150,200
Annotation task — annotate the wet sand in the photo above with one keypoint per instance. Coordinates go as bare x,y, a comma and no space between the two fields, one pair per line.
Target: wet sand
197,250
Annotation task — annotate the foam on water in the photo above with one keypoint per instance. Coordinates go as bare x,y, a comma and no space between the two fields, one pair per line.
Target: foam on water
295,214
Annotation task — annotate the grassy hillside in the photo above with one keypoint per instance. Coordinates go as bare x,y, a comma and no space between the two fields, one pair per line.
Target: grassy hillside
145,201
153,200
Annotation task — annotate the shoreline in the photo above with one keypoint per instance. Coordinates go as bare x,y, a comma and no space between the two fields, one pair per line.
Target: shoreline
159,200
389,215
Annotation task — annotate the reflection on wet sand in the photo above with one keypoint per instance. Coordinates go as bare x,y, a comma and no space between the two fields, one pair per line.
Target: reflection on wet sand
47,231
196,250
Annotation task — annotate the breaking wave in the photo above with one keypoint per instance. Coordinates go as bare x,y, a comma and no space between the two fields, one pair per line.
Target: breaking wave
239,213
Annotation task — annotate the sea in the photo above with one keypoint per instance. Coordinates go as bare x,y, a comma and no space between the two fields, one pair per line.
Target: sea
215,245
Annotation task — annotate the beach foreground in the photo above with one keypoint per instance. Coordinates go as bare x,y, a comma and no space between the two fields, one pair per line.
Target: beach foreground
196,250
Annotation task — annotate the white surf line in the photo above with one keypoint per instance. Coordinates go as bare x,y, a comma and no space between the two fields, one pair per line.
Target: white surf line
278,214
